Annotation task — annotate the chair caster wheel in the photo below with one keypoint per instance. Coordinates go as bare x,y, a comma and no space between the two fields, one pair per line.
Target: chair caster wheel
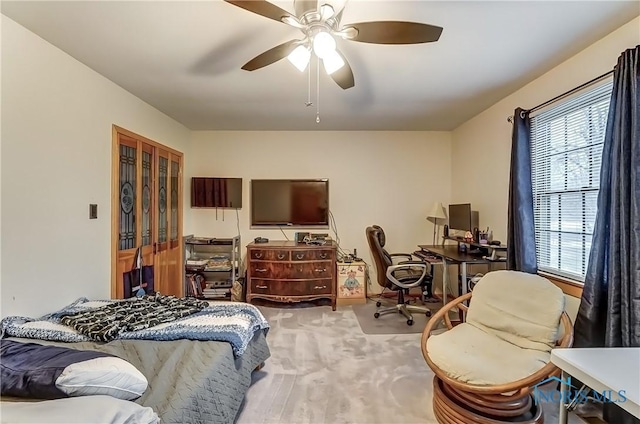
428,313
376,315
378,304
409,322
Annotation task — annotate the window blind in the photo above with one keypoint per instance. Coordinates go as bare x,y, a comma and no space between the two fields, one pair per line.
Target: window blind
566,153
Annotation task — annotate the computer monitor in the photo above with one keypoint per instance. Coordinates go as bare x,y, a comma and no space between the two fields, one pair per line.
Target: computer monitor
460,217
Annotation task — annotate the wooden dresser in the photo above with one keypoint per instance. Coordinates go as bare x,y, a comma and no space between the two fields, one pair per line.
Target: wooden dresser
286,271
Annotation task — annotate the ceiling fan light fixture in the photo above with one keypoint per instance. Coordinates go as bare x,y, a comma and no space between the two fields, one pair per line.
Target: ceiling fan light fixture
323,44
300,57
326,11
348,33
294,22
332,62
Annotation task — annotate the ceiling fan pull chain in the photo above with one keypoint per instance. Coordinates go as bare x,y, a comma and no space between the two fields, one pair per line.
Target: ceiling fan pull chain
317,90
308,102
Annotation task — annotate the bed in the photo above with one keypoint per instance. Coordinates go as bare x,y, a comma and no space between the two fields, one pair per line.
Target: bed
189,381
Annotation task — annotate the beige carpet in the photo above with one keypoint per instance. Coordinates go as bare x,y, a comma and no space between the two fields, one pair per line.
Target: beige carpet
391,323
323,369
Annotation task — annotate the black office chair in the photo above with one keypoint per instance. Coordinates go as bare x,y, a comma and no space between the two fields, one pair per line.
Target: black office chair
400,276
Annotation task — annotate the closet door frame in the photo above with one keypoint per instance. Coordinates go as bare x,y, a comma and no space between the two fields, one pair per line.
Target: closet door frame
168,271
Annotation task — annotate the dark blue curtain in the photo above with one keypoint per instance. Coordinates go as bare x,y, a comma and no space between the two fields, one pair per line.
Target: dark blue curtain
609,313
521,242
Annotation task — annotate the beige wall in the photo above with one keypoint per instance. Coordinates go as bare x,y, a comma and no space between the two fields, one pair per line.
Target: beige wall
57,116
385,178
56,152
485,140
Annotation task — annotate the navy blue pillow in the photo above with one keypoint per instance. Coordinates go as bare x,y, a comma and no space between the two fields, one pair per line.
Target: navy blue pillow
31,370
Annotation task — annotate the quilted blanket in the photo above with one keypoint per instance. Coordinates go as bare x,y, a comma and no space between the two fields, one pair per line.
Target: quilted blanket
107,322
232,322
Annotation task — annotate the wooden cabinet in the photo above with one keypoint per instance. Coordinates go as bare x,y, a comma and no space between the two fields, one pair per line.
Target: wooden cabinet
286,271
352,283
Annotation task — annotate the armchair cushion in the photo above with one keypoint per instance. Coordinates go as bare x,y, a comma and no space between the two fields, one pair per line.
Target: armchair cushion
470,355
519,308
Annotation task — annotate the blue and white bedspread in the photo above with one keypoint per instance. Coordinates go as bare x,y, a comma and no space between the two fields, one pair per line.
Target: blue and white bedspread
232,322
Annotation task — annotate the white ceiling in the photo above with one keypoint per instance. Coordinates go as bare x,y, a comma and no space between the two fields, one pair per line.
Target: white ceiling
184,58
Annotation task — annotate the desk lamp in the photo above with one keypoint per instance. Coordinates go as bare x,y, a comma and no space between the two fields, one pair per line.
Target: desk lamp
437,216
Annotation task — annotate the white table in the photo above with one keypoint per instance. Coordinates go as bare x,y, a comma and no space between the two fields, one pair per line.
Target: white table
602,369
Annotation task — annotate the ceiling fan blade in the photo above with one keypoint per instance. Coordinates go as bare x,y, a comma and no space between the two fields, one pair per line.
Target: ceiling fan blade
395,32
271,56
303,6
262,8
344,76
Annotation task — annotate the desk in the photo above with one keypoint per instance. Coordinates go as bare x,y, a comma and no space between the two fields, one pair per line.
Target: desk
602,369
451,255
491,249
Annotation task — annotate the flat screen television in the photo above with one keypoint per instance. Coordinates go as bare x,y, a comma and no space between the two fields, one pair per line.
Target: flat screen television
213,192
302,203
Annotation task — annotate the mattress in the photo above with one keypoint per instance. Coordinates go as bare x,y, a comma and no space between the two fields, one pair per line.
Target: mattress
189,381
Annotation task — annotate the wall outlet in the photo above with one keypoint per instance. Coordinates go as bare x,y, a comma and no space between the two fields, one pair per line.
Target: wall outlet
93,211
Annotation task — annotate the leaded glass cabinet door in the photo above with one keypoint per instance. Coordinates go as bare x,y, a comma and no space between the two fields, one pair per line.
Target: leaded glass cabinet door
175,263
145,205
125,211
146,211
162,220
169,264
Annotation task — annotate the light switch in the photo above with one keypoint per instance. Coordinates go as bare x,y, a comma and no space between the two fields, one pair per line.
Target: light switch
93,211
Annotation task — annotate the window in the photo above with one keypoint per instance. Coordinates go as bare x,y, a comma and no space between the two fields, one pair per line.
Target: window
566,152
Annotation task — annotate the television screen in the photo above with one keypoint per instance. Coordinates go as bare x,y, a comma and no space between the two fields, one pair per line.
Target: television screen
290,202
460,217
210,192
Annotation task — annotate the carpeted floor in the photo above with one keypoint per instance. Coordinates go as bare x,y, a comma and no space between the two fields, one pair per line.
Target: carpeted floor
392,323
325,369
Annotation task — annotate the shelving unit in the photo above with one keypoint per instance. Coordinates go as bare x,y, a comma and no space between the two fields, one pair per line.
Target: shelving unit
211,266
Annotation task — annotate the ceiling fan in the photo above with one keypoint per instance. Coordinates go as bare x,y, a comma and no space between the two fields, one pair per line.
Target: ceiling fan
319,21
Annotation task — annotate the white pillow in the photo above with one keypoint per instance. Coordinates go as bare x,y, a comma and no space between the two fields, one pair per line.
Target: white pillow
103,376
77,410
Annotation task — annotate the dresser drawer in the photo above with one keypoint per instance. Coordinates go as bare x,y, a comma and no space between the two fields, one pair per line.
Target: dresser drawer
311,270
291,288
311,255
267,269
269,254
291,270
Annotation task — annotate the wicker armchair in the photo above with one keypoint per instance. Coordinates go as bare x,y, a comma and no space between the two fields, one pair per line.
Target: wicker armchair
486,367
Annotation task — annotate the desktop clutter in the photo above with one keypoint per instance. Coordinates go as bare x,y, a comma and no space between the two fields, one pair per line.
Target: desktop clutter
315,239
478,243
306,238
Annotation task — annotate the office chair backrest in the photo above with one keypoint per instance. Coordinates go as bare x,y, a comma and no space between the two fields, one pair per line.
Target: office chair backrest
381,237
382,260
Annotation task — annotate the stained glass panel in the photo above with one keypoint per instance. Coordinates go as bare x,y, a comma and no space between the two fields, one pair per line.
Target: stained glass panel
175,170
147,185
127,197
162,199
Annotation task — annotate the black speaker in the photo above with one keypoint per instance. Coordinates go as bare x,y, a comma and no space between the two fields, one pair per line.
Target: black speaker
300,237
446,231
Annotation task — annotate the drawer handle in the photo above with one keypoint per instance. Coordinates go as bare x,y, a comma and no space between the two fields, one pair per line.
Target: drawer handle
299,255
257,255
320,270
261,287
319,287
281,255
261,270
323,256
